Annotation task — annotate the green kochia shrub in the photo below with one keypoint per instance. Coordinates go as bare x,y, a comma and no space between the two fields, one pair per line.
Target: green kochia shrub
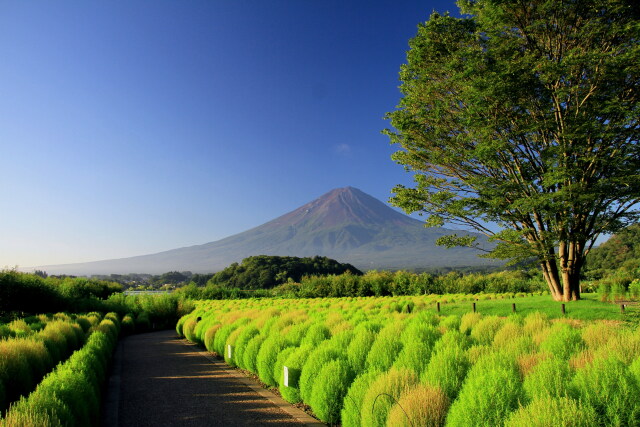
485,330
316,334
267,358
449,364
188,329
423,405
250,353
329,390
69,395
209,337
278,367
316,360
563,341
550,377
359,348
383,393
609,387
294,362
546,411
491,390
351,414
385,348
223,333
242,340
418,341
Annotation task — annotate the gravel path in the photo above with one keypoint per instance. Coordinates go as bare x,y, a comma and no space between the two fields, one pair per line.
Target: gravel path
161,380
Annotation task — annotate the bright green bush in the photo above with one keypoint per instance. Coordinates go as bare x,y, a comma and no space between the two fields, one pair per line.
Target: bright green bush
562,341
209,336
449,364
351,414
385,348
243,338
422,405
450,323
278,367
267,356
550,377
546,411
316,333
609,387
359,348
294,362
485,330
250,353
383,393
316,360
188,329
329,389
490,392
468,321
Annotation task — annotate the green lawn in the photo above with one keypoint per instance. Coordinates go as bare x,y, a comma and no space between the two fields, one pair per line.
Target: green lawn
589,308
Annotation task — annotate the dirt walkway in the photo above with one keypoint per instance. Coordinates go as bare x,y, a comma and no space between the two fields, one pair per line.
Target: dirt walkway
160,380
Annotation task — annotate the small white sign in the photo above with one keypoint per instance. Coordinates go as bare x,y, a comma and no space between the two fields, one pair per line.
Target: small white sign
229,351
286,377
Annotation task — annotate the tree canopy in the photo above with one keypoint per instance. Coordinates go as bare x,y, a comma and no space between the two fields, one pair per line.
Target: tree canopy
521,120
264,271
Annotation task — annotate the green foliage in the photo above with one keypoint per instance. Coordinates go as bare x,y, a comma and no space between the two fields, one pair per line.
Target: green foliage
250,353
70,395
242,340
449,364
385,348
263,272
562,341
620,251
267,358
295,362
329,389
550,377
513,118
423,405
351,414
316,360
383,392
491,390
608,387
547,411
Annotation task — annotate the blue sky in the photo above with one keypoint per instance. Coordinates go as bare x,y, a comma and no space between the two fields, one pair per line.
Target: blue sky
132,127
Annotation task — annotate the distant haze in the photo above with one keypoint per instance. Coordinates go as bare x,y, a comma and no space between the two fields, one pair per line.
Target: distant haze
345,224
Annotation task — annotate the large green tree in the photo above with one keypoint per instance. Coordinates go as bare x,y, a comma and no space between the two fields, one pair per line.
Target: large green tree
521,121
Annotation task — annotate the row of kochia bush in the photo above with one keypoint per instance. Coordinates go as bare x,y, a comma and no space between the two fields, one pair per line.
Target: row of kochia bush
56,366
363,362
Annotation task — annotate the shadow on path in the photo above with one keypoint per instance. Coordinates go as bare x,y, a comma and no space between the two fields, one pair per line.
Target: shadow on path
158,380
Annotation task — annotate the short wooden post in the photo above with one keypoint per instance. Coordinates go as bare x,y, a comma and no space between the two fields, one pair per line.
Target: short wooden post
564,311
438,306
474,307
622,308
513,307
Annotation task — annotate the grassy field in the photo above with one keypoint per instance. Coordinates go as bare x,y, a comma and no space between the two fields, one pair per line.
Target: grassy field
588,308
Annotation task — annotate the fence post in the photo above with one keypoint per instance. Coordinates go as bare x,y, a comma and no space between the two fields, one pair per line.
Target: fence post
438,306
513,307
622,308
564,311
474,307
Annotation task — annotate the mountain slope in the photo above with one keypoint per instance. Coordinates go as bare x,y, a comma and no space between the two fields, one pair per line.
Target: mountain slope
345,224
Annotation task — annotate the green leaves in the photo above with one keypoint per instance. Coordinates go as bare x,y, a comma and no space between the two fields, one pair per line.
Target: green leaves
527,115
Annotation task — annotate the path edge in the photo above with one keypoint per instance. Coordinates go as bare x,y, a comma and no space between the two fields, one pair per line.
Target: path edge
278,401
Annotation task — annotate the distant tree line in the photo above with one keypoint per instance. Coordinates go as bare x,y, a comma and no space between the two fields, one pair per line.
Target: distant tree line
379,283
